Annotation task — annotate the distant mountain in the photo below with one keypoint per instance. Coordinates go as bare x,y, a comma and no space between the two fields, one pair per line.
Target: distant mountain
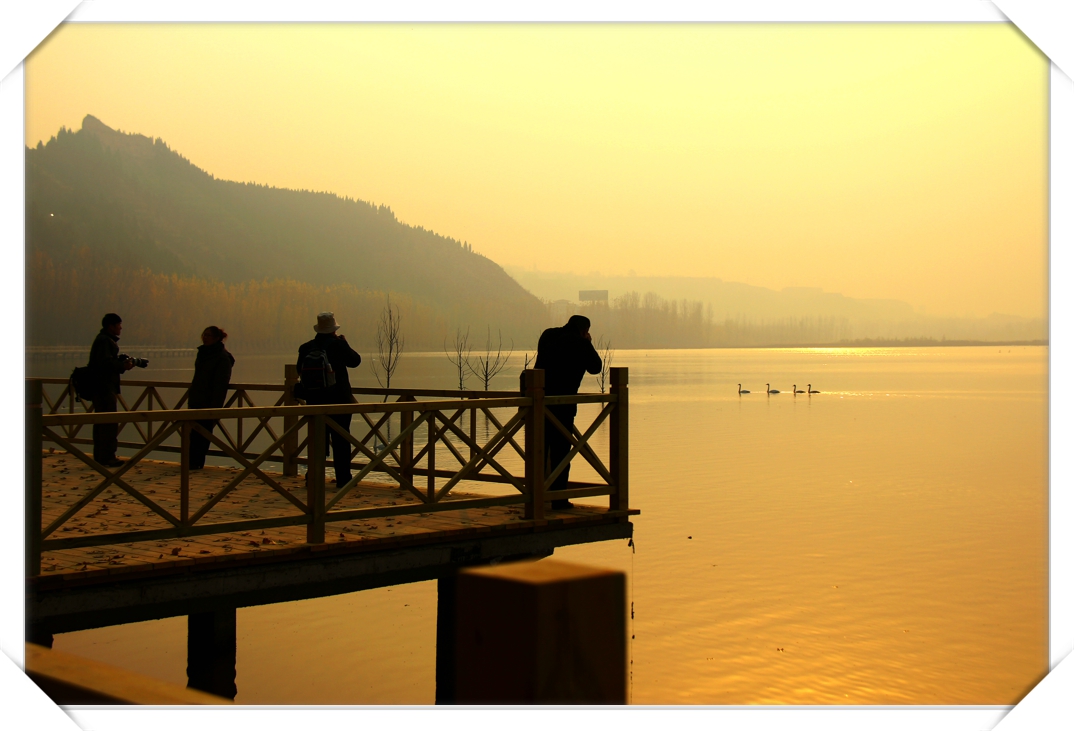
767,312
120,222
727,299
129,201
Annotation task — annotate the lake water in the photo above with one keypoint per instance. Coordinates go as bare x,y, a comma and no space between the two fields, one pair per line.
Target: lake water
881,542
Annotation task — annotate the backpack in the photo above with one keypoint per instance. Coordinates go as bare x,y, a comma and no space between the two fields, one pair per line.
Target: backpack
83,382
316,373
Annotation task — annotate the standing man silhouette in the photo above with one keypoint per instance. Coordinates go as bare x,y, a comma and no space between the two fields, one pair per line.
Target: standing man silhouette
565,354
106,367
334,348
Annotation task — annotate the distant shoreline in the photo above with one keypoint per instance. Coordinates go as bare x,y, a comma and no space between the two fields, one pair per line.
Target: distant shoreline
907,343
76,351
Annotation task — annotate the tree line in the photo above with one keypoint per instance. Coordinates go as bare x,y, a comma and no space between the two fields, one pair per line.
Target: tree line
65,302
65,305
634,320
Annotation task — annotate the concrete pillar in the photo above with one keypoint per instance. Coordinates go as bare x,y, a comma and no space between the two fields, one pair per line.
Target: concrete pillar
540,632
38,634
445,639
210,652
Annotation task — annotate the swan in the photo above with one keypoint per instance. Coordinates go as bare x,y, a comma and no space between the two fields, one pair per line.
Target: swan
809,387
740,391
769,389
795,389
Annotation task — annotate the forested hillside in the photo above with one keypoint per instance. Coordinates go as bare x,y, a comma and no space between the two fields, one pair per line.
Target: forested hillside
102,203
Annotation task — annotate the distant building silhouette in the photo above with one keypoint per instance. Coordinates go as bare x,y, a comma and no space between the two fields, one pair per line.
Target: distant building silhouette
593,295
560,310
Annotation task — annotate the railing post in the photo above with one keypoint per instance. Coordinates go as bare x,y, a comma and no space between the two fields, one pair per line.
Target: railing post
238,421
430,482
184,471
315,478
149,424
533,381
618,436
406,449
290,445
33,477
473,431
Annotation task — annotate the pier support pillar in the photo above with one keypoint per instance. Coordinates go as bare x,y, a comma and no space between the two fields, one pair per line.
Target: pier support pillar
210,652
540,632
445,639
39,635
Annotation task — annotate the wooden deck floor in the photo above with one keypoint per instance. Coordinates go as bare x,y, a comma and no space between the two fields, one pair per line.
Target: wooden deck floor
66,479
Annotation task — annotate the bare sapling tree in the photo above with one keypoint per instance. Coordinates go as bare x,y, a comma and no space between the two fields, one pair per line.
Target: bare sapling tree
486,366
389,345
604,349
458,352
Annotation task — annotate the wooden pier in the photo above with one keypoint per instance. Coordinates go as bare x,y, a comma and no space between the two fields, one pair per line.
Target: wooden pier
442,480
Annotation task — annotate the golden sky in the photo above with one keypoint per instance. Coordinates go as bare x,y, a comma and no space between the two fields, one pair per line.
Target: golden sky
904,161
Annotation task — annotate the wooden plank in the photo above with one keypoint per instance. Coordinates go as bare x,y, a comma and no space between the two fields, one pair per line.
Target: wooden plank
371,514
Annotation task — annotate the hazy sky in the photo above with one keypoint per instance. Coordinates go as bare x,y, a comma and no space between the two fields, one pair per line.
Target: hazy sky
904,161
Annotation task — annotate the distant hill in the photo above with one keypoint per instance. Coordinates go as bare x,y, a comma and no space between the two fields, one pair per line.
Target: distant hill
766,312
128,201
120,222
727,299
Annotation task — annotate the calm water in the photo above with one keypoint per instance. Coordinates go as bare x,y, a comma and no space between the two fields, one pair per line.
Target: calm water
889,534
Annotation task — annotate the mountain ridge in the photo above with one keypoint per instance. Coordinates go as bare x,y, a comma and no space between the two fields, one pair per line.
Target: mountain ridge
132,201
728,299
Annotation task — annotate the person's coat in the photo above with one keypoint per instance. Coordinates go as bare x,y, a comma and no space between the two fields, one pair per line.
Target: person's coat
565,356
104,363
212,376
342,356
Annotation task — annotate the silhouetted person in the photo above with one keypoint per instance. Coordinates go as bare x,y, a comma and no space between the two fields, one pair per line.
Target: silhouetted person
324,380
212,376
106,366
565,354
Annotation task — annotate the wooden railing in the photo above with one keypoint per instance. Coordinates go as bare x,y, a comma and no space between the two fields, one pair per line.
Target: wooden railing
293,435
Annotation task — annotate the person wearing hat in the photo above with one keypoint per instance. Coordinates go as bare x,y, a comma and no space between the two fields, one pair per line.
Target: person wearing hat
340,356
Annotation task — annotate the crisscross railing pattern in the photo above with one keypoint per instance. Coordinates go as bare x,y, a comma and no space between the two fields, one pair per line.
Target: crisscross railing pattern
431,426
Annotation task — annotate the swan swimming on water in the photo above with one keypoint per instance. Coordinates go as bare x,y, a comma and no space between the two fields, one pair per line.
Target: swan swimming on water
740,391
769,389
809,386
795,389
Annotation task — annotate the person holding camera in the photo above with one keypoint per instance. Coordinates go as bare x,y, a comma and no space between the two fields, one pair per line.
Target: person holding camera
565,354
212,377
106,364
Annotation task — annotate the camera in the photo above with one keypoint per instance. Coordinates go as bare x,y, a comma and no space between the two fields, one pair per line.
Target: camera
138,362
